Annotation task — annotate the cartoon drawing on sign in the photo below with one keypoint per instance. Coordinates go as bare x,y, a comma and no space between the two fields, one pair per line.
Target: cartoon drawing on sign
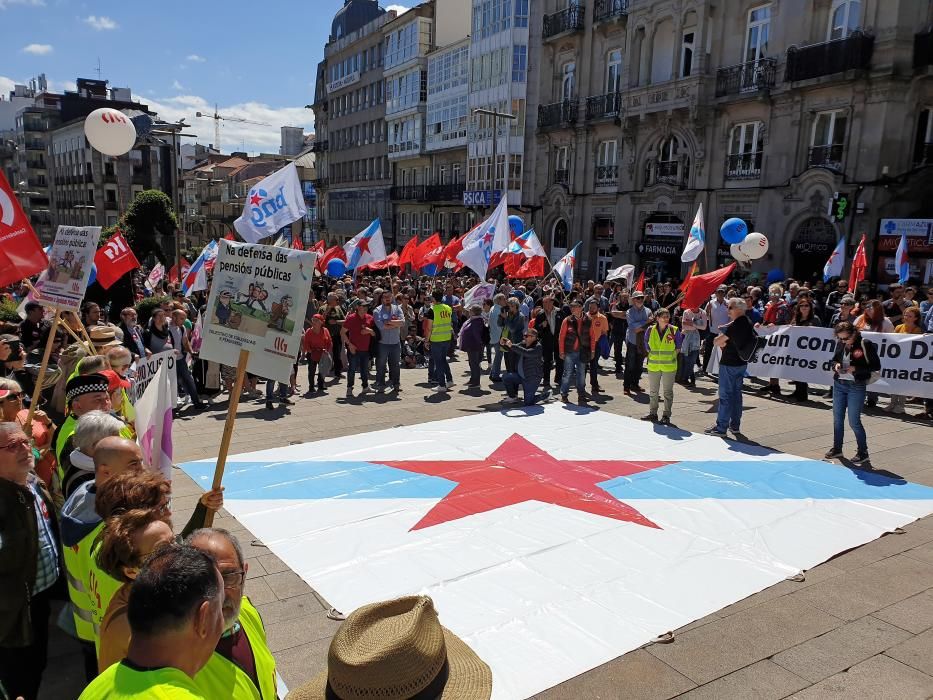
246,311
279,316
223,311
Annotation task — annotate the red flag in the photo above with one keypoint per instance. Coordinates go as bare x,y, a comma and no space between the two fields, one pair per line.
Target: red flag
533,267
21,253
513,263
229,236
859,265
686,283
428,245
391,260
319,247
702,286
453,248
173,273
408,251
296,243
640,283
331,253
114,259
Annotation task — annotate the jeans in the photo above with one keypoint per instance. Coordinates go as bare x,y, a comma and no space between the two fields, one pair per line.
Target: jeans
730,397
495,369
573,363
393,355
338,352
633,362
186,381
851,396
282,392
512,381
686,372
474,357
441,368
359,362
658,381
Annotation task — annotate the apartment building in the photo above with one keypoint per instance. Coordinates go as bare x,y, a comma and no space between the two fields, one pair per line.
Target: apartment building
768,111
353,177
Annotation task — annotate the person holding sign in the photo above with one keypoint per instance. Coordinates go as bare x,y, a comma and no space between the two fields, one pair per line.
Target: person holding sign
854,362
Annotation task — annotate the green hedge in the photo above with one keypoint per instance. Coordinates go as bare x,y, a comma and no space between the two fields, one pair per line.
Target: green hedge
145,307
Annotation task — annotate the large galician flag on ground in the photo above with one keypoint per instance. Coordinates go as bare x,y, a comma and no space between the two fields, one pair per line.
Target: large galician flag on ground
557,541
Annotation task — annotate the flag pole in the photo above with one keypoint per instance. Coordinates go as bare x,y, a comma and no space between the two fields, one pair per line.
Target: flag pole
37,391
228,428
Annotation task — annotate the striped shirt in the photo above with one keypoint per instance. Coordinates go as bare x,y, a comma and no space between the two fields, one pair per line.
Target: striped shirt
47,569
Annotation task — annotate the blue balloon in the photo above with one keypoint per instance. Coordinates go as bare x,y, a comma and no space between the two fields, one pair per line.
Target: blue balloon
776,275
336,267
734,230
516,225
93,276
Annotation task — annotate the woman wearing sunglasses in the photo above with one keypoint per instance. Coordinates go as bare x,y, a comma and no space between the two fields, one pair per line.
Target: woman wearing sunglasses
12,409
855,364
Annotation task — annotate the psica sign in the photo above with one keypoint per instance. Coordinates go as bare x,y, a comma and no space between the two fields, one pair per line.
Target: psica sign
263,206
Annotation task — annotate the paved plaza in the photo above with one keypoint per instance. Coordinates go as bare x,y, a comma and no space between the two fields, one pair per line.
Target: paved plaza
858,626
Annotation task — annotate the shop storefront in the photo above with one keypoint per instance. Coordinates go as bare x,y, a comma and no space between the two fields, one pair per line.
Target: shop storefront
813,241
660,248
919,249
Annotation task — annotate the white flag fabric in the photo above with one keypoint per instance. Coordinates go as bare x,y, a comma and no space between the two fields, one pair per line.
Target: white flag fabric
528,245
836,262
366,247
623,272
273,202
154,421
152,281
491,236
478,294
563,268
696,240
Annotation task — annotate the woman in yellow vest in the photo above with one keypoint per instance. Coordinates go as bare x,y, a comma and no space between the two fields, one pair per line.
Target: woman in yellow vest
662,340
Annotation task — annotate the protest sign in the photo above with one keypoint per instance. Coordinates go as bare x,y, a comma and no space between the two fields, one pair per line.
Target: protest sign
478,294
257,304
805,354
146,369
154,420
70,260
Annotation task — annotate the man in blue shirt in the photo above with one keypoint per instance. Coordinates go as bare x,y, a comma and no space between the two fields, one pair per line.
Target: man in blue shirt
638,317
389,319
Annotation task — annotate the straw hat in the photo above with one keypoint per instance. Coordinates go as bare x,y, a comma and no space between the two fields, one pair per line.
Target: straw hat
103,336
396,650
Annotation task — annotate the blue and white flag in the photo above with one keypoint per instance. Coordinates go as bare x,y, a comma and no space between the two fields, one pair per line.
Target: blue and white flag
366,247
491,236
564,268
837,261
273,202
902,261
696,240
528,245
196,279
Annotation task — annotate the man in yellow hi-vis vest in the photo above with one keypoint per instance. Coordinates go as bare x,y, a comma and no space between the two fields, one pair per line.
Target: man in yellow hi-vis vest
439,332
661,343
175,612
241,667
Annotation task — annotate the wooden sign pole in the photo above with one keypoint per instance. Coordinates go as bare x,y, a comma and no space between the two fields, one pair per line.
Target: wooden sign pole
228,428
37,391
78,338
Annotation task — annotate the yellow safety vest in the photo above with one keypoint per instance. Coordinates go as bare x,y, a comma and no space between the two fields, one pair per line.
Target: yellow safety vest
663,352
442,325
101,587
65,432
120,682
220,678
76,561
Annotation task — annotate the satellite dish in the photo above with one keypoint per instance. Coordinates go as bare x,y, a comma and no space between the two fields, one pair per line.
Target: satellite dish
143,124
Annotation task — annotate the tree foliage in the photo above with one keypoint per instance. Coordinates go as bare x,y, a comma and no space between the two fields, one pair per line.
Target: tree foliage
147,217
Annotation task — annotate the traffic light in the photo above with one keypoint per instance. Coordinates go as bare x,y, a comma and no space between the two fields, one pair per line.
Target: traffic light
841,206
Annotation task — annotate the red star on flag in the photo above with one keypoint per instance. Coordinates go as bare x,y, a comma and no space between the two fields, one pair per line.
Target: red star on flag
363,245
255,199
518,471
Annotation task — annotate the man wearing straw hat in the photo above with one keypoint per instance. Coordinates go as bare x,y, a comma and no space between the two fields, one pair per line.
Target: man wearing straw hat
398,650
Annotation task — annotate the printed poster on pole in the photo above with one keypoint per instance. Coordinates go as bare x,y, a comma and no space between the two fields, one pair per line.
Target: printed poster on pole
146,369
70,260
257,304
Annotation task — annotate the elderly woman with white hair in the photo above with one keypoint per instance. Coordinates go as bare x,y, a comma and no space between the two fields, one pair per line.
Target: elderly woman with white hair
91,428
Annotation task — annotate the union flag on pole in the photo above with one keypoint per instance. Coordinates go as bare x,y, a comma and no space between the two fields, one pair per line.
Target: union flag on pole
114,259
21,254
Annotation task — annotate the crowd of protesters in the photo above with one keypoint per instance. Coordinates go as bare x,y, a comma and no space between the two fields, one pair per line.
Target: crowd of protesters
85,523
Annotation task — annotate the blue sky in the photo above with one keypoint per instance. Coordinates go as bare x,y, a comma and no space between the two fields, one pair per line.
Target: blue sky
255,60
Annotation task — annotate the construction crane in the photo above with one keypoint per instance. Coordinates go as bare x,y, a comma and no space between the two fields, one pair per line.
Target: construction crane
217,119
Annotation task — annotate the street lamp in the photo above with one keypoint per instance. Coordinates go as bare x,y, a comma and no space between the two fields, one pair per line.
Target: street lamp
496,116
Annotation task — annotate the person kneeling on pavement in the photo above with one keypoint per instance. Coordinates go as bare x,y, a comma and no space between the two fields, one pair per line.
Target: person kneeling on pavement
529,370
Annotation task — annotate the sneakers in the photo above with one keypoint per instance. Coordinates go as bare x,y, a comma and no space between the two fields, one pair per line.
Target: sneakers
715,431
833,453
440,389
861,459
510,400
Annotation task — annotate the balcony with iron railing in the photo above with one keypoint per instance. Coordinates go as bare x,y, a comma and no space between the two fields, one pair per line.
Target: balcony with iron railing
831,57
407,193
562,177
743,166
606,175
445,193
829,156
923,49
603,106
923,154
669,172
605,10
746,77
558,114
568,20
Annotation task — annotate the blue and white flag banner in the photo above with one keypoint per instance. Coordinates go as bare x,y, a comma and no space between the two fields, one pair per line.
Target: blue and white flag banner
556,550
273,202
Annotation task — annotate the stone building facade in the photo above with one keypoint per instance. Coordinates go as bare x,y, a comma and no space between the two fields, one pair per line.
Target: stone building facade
762,110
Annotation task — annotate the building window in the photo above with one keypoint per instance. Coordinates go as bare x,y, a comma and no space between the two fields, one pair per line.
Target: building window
403,218
607,168
559,235
613,71
562,165
670,170
923,149
745,147
827,141
686,53
519,63
426,223
567,82
844,18
757,33
521,13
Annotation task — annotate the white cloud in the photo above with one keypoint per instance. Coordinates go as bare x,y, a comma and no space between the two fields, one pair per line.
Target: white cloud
38,49
32,3
234,135
194,58
6,84
177,86
101,23
399,9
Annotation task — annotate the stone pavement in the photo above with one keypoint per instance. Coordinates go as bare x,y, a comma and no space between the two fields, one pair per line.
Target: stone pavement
858,626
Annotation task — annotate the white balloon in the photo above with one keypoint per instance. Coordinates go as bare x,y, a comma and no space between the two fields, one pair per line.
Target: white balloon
754,246
736,250
110,131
